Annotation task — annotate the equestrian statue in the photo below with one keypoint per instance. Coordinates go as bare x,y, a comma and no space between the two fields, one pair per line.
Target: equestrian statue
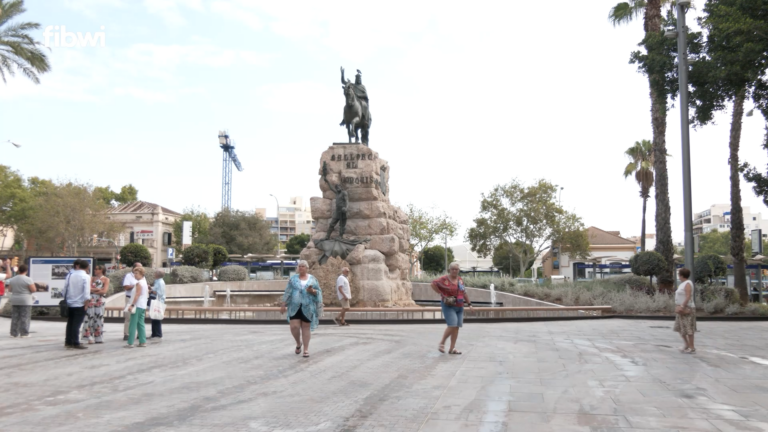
357,117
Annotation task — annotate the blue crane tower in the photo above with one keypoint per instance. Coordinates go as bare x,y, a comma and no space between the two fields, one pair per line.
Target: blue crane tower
228,147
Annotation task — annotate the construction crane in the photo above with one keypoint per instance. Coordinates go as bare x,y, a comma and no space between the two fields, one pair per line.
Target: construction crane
228,148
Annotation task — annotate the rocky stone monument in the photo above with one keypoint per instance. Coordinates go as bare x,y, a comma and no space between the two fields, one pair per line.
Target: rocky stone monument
355,202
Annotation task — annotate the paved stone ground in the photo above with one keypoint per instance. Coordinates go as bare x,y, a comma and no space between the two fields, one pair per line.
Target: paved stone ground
607,375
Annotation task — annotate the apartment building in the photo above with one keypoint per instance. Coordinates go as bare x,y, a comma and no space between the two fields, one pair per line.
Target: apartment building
718,217
294,218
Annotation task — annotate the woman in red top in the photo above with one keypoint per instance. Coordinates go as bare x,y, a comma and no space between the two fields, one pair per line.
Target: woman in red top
453,295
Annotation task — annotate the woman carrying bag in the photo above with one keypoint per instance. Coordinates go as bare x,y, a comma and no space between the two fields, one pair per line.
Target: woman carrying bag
685,311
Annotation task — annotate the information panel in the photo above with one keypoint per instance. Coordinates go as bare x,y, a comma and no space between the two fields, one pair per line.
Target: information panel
49,274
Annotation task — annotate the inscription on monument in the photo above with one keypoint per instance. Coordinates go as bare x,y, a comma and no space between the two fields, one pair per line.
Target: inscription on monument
347,157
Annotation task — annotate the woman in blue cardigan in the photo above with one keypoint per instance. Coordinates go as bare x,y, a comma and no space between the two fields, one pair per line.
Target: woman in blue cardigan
302,299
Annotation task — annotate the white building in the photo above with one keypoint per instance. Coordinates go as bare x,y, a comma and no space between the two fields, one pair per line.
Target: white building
718,217
294,218
148,224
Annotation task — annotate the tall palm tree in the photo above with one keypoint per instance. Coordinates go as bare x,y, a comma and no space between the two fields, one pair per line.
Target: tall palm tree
18,51
641,165
623,13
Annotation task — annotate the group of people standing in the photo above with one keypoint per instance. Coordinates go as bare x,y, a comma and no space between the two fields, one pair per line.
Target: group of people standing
138,297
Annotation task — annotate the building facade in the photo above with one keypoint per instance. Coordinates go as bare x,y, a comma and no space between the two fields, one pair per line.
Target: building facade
718,217
606,248
148,224
294,219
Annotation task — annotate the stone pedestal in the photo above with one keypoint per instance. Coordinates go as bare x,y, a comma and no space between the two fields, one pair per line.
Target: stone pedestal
380,266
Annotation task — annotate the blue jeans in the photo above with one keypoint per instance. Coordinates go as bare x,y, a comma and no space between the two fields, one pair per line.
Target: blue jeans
454,316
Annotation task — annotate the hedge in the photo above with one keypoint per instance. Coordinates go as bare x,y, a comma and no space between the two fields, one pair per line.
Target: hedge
233,273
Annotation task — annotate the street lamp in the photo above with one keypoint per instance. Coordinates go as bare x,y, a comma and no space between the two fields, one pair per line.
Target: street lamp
278,224
682,63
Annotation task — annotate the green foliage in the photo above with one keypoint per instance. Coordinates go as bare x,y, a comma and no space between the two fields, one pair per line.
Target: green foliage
13,197
200,226
116,279
218,255
426,228
197,255
135,252
433,259
648,263
186,275
106,195
20,52
713,292
507,260
233,273
715,243
529,219
297,243
708,266
242,232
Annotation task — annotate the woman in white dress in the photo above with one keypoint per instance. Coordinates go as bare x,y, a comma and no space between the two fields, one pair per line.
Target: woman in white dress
685,311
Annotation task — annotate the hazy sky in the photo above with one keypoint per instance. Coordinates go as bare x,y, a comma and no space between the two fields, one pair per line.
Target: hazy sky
464,96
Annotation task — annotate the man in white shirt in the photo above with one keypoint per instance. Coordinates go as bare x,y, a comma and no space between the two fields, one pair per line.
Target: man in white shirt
77,293
128,283
345,295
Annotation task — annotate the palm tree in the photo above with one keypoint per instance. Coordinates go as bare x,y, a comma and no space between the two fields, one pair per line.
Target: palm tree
18,51
623,13
641,165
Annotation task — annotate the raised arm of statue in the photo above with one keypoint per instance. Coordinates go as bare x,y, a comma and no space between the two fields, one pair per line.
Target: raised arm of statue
343,81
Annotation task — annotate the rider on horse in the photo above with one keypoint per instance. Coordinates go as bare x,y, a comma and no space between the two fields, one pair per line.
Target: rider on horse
359,89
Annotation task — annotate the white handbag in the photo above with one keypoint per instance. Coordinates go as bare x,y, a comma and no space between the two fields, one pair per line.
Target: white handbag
157,310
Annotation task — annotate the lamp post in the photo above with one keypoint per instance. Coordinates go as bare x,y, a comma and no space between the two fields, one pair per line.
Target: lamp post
278,224
682,63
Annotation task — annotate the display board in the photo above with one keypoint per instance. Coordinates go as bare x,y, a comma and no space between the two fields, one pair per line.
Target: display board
49,274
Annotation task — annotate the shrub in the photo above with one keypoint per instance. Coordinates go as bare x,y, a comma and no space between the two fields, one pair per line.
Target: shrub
712,292
197,255
219,255
186,274
135,252
756,309
708,266
234,273
633,282
116,279
648,263
733,309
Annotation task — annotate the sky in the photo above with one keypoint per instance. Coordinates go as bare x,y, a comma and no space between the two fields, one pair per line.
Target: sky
463,95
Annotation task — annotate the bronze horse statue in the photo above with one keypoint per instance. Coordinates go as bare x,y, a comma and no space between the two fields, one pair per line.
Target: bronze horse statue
357,117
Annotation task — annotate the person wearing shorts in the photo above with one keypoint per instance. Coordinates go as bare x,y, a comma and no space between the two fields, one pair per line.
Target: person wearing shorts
453,296
345,295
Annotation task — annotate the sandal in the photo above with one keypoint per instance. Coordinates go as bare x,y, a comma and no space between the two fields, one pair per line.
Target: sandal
298,350
441,348
455,351
306,354
691,351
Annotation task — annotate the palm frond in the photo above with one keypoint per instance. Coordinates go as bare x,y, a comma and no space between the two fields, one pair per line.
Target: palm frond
18,50
626,12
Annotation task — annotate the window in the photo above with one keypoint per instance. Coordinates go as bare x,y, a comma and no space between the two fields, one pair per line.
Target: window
753,218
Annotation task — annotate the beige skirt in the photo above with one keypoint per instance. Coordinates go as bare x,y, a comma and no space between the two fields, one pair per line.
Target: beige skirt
685,324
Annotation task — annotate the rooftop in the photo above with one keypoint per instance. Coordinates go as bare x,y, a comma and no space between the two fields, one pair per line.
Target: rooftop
141,207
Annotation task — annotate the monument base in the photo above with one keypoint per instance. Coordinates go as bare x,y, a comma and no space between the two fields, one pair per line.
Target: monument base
377,236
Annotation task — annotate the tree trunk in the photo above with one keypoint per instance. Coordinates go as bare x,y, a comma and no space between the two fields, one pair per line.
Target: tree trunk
642,228
522,266
664,244
737,216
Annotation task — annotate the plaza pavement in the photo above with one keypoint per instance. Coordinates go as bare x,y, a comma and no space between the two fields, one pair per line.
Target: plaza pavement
602,375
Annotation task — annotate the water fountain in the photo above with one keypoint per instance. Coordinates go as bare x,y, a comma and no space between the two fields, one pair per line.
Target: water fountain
493,295
207,296
227,302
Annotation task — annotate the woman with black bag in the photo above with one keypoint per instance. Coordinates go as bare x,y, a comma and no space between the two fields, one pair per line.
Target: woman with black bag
453,295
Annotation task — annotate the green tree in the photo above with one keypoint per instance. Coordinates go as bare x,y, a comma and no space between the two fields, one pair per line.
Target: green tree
528,219
715,243
197,255
732,71
297,243
641,165
708,266
434,259
135,252
655,64
127,194
18,50
200,226
648,264
242,232
426,228
60,218
219,255
509,263
13,198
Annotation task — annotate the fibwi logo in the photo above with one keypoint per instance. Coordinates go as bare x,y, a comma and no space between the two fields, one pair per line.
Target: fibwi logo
63,38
